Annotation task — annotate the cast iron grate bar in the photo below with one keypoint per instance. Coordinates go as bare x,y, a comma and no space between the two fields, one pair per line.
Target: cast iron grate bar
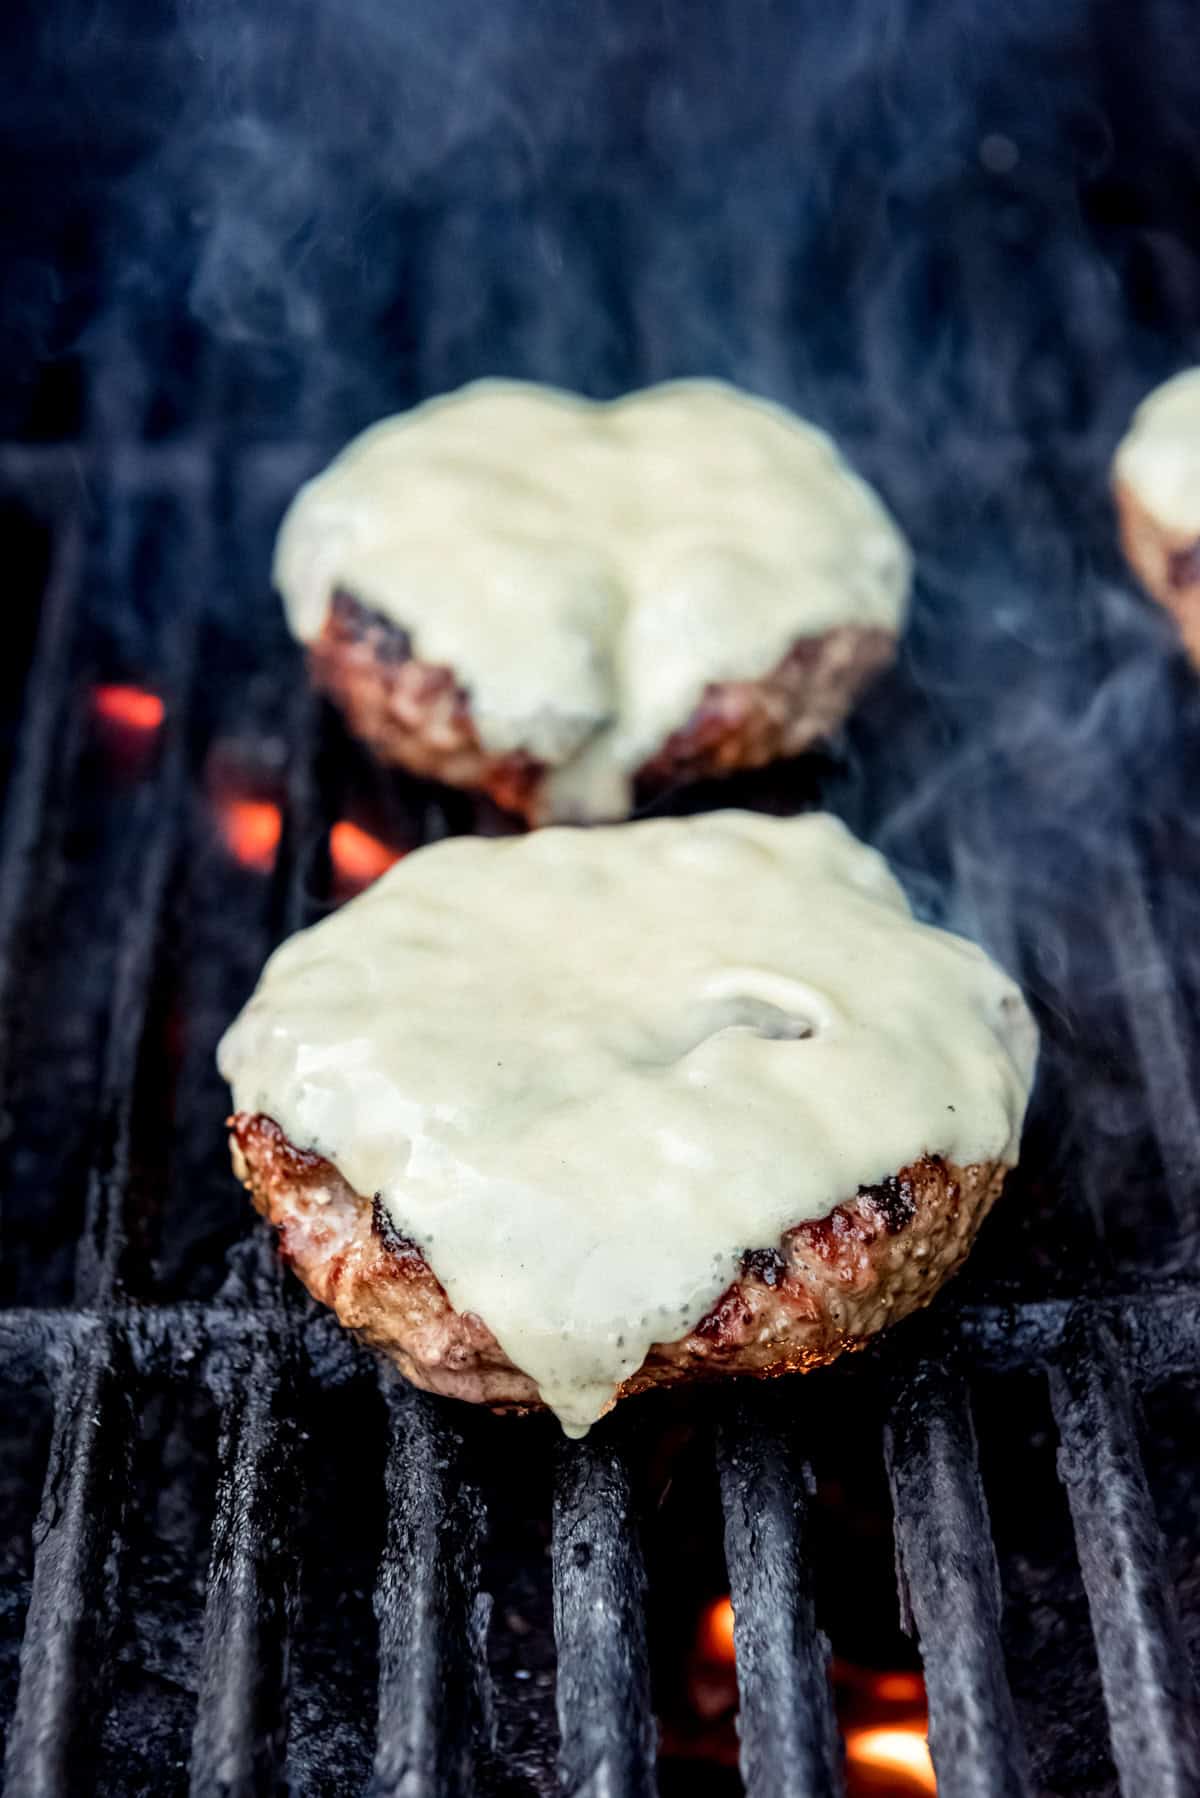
302,817
789,1739
1159,1036
1160,1331
64,1659
240,1739
27,803
603,1696
432,1618
45,695
159,812
241,1719
950,1587
155,827
1149,1692
1160,1039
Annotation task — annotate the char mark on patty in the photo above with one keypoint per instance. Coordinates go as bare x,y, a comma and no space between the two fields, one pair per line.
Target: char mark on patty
893,1201
831,1284
767,1265
1183,567
385,1229
390,642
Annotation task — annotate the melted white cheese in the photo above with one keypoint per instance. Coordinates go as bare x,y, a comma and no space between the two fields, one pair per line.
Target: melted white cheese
1159,457
586,1070
586,569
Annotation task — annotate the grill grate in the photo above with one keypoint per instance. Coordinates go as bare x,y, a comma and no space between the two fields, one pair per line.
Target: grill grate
603,1683
788,1732
950,1584
1150,1698
262,1705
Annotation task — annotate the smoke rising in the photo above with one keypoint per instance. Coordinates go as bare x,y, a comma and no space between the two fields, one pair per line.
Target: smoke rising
960,235
844,207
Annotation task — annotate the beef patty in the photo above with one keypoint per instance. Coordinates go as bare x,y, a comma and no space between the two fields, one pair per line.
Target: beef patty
581,595
826,1287
416,715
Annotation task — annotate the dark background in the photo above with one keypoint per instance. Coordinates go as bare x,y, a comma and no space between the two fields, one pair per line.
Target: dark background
932,217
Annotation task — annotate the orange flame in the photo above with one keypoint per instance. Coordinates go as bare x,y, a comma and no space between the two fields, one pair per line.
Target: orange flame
883,1714
896,1752
251,829
358,858
900,1688
132,708
714,1636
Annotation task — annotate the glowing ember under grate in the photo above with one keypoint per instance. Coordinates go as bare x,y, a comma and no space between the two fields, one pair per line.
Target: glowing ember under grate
884,1716
357,857
714,1637
130,708
892,1759
251,829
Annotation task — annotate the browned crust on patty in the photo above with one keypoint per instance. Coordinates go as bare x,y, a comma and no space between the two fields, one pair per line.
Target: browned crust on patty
826,1287
746,724
409,713
1166,561
416,715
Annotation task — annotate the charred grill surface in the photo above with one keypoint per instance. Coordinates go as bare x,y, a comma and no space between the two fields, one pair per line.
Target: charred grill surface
204,1602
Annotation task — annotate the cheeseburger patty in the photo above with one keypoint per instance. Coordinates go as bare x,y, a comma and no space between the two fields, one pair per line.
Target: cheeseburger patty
826,1287
552,1117
560,601
1156,487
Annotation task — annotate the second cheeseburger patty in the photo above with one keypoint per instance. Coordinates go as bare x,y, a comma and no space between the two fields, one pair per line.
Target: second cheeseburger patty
557,1117
556,600
1156,484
